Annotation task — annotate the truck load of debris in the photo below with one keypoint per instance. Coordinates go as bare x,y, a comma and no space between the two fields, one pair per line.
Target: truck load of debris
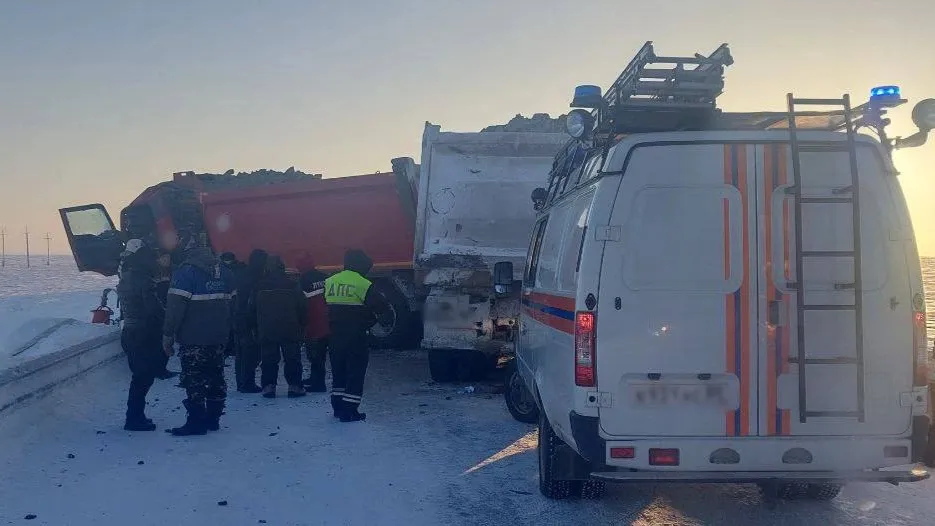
244,179
539,122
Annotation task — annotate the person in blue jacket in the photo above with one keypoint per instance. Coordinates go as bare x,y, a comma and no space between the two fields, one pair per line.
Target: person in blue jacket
198,319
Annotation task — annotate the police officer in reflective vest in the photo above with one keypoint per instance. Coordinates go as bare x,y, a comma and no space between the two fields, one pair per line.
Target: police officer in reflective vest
352,308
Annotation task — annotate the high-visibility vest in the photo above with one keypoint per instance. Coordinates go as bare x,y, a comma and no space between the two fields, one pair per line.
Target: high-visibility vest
346,288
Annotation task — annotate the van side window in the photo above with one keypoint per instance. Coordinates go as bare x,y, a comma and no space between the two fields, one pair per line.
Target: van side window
532,257
574,242
551,247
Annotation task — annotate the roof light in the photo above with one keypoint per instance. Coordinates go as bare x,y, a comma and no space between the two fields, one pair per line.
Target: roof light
885,92
579,123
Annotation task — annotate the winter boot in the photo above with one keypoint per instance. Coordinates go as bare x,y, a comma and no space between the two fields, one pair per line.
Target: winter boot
296,391
337,404
250,389
351,414
213,411
269,391
195,424
136,419
138,422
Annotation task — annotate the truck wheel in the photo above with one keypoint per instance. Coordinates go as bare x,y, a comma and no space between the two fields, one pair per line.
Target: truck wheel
442,365
824,491
393,329
519,401
549,486
589,489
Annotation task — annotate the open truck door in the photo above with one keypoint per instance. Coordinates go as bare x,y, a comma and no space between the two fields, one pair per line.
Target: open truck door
95,241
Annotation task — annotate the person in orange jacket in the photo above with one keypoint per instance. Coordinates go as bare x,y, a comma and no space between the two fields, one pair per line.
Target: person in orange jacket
317,330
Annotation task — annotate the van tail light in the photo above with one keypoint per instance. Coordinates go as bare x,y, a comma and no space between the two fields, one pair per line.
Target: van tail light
920,357
663,457
585,346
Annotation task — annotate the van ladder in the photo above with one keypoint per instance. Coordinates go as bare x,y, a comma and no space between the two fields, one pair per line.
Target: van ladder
843,196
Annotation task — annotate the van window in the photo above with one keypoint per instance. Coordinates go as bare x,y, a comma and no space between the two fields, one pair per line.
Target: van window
574,241
547,267
532,257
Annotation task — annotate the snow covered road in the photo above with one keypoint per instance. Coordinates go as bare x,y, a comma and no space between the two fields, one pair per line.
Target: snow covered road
427,455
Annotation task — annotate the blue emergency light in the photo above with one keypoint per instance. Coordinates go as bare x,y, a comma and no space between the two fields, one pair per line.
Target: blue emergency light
885,92
587,96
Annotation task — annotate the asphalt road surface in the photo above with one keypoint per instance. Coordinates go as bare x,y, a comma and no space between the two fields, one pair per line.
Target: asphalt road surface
427,454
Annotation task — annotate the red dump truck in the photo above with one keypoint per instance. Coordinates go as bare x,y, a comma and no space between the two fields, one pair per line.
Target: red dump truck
289,214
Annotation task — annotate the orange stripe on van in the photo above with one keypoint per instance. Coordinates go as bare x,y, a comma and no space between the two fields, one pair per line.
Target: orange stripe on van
729,332
768,178
744,295
787,230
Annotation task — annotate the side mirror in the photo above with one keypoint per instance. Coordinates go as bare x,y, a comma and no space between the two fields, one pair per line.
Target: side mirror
503,277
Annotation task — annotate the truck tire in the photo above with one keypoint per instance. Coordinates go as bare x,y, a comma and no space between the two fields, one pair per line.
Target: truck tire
442,365
394,330
589,489
549,486
519,401
824,491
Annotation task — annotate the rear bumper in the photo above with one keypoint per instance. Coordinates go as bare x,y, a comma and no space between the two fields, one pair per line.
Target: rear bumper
893,477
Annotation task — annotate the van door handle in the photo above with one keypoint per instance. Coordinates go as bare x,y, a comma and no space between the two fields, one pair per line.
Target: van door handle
774,314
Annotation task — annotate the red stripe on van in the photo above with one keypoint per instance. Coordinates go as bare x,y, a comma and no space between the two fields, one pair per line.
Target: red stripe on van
559,302
730,351
561,324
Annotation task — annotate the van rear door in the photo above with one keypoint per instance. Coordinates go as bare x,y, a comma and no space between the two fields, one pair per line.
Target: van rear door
676,318
856,379
95,241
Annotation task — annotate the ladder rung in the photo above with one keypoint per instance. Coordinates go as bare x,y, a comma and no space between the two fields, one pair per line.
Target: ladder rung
825,147
841,360
819,102
684,74
827,253
829,307
826,200
847,414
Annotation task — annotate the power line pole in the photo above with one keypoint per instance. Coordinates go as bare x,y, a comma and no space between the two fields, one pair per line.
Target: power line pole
2,246
48,249
26,233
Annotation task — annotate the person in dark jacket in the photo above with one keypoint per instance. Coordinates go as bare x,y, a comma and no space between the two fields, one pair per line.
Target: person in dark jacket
142,315
353,306
280,315
316,323
247,358
198,319
229,260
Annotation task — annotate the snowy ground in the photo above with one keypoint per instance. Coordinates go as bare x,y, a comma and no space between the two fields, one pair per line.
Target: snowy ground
427,455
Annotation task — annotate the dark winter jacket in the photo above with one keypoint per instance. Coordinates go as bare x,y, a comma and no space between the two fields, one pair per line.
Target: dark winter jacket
280,306
198,305
316,320
136,290
360,317
247,278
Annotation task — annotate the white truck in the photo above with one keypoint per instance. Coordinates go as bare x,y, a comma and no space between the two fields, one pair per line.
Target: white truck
472,211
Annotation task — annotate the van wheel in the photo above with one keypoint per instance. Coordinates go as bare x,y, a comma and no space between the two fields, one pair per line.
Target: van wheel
442,365
589,489
825,491
549,486
519,400
791,490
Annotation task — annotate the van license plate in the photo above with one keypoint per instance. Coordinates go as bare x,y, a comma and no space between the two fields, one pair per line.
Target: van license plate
709,394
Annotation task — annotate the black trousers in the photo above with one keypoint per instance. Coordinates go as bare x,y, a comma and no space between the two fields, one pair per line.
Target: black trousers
349,358
203,373
247,358
142,344
291,354
317,351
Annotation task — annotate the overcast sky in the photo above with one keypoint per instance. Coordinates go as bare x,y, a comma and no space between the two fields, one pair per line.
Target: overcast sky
99,99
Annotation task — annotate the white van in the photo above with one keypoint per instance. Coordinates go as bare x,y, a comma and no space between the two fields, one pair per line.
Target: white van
726,305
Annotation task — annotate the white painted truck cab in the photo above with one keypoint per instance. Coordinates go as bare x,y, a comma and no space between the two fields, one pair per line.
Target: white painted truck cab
473,211
726,305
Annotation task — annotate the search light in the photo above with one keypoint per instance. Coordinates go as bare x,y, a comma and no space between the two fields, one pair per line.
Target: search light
923,115
579,123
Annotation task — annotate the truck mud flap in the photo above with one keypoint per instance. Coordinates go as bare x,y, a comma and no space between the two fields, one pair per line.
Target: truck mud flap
694,477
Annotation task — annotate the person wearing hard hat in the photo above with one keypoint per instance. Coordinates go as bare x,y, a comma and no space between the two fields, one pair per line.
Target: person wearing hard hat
353,305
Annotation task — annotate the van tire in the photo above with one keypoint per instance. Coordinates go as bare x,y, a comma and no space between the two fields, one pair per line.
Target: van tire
792,490
549,486
398,333
824,491
442,365
519,401
590,489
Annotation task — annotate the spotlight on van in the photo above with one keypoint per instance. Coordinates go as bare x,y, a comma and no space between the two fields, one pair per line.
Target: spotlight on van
923,115
579,124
